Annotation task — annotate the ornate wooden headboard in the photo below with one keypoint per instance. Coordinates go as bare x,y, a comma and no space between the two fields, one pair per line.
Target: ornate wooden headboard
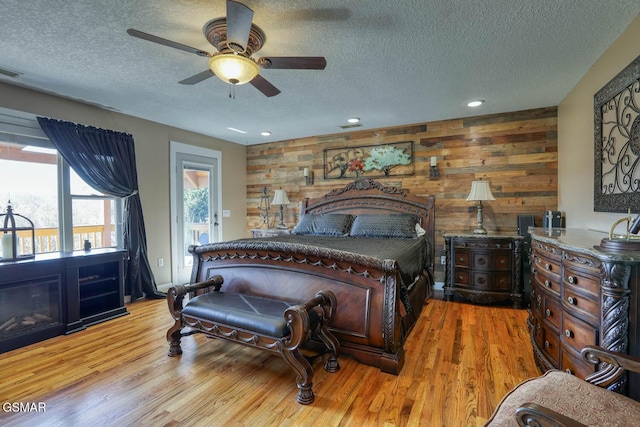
371,197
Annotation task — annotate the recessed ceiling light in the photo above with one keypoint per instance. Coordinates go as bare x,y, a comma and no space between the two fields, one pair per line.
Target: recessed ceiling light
265,133
354,120
475,102
237,130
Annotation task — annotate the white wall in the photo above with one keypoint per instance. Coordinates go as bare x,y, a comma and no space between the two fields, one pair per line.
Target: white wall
576,139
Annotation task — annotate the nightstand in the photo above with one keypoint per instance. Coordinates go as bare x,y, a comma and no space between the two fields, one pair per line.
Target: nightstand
268,232
484,268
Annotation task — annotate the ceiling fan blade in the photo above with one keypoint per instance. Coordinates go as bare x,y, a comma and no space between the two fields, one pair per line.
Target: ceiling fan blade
293,62
160,40
264,86
197,78
239,19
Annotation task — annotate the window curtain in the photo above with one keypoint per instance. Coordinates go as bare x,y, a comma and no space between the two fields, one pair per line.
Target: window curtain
105,160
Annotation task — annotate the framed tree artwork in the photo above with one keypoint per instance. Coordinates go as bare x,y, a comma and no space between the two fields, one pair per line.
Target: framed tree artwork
371,161
617,142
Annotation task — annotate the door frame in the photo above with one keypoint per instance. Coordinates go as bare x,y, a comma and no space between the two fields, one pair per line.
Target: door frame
180,148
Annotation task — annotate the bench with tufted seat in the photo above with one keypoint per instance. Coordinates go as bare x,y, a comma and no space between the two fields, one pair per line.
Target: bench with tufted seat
263,323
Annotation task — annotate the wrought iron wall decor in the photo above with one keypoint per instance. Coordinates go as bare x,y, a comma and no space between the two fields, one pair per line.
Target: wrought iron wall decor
617,142
393,159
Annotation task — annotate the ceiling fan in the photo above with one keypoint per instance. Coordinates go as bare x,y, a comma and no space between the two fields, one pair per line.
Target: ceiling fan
236,38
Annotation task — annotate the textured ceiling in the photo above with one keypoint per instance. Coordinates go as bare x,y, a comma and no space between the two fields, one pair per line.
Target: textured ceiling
388,62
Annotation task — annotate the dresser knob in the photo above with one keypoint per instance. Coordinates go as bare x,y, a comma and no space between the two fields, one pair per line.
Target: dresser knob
503,262
568,333
572,300
460,259
547,267
547,283
547,344
572,280
548,312
569,371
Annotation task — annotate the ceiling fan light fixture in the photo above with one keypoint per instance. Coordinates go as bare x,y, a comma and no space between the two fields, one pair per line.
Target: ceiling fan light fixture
234,69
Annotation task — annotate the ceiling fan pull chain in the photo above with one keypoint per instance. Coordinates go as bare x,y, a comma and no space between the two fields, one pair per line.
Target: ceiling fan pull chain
232,91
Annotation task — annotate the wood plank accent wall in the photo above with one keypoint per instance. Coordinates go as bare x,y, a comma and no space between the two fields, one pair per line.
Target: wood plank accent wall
516,152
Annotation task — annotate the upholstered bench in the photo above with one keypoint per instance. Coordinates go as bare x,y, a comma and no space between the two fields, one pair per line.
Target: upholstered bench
263,323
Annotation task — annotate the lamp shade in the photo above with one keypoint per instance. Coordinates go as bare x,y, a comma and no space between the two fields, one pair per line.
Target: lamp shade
234,69
480,190
280,198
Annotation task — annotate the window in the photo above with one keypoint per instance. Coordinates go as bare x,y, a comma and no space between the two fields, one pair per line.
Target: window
41,186
29,180
94,215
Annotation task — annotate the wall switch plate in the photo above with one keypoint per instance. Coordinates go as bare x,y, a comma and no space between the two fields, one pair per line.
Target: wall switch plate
160,262
443,259
226,213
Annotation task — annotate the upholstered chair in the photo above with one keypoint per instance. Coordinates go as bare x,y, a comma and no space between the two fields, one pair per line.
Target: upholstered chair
561,399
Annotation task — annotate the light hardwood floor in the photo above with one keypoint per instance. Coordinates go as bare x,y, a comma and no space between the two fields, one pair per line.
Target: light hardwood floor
460,360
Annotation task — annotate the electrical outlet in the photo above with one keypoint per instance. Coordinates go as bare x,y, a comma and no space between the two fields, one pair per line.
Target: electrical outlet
443,259
160,262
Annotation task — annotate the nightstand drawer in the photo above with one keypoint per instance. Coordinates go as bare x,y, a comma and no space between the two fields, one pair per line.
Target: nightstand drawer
493,281
461,277
502,261
462,259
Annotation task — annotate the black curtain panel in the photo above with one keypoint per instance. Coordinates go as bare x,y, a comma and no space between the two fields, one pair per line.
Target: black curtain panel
106,160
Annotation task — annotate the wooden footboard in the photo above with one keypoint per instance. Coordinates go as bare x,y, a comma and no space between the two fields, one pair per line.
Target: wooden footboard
369,320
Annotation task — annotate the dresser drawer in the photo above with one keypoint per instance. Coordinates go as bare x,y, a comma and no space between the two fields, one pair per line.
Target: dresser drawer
585,283
577,333
580,304
574,364
552,311
546,282
548,266
548,342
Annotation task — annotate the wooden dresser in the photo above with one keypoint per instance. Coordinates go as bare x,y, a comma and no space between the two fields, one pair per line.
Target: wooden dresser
484,268
581,295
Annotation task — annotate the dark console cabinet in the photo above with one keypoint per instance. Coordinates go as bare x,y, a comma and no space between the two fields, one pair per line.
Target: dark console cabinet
59,293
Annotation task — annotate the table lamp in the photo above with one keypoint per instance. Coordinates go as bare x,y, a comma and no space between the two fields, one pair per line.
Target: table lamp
480,191
280,199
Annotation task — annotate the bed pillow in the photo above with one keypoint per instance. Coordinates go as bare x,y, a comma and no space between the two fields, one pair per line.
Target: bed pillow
396,225
324,225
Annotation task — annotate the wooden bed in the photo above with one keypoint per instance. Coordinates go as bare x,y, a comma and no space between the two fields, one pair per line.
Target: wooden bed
375,308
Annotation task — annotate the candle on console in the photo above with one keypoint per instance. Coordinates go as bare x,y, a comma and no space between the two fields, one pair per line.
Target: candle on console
434,161
7,246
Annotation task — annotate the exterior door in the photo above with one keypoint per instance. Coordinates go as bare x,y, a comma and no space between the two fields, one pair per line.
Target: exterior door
195,215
